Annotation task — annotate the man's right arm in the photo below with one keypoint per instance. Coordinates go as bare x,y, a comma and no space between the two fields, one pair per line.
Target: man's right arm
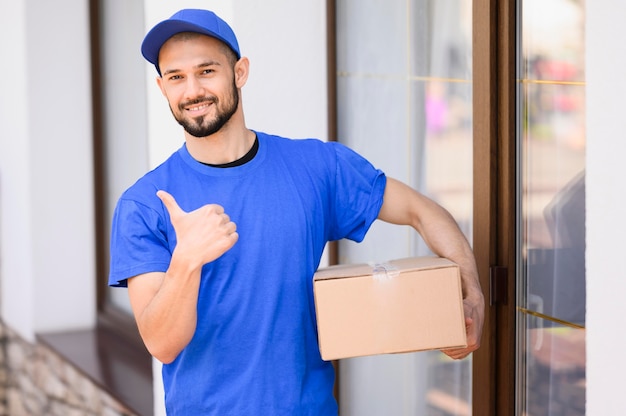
165,304
164,307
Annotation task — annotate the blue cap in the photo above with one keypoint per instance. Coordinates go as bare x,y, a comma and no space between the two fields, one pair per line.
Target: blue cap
188,20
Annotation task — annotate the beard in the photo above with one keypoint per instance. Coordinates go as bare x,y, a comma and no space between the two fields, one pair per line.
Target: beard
206,125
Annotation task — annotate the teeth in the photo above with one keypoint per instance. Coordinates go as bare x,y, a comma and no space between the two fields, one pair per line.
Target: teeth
198,107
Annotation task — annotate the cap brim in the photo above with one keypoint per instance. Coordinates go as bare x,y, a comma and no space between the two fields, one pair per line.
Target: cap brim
159,34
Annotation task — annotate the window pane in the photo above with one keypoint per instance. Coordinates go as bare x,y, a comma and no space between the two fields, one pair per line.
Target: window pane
405,103
551,294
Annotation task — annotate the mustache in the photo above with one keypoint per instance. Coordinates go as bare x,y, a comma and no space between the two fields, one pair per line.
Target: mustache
195,101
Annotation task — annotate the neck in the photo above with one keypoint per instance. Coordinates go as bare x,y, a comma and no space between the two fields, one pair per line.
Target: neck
232,142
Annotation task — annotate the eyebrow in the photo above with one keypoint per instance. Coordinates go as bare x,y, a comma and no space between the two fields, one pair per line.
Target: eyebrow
202,65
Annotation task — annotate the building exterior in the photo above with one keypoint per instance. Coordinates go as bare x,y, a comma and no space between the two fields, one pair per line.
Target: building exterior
80,115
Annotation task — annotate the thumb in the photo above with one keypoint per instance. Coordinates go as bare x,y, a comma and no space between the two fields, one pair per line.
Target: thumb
170,204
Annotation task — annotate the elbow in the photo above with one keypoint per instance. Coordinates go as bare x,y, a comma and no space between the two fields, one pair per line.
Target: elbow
165,344
164,357
163,353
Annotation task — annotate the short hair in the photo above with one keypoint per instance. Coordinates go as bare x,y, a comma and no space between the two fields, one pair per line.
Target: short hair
226,50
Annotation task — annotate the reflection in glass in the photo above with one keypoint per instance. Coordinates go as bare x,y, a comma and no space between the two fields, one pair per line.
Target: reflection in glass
405,103
555,369
551,294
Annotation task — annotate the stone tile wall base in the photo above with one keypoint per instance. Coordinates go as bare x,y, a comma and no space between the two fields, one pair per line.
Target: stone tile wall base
35,381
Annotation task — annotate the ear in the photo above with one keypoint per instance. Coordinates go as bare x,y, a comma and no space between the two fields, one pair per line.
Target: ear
159,82
241,69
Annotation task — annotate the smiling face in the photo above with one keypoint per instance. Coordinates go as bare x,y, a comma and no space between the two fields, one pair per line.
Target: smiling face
199,81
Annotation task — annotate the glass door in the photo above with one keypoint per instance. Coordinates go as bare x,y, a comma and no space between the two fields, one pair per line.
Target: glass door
551,218
404,101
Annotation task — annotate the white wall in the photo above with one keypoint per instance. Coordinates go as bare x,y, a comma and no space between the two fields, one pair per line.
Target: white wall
606,228
285,41
47,239
15,229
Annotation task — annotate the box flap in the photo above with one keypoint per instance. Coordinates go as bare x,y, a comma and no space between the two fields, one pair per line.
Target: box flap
342,271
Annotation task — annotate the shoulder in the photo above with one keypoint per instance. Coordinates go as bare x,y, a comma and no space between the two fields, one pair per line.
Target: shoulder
310,154
144,190
311,149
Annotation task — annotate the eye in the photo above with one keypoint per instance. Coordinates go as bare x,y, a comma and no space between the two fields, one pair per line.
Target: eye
207,71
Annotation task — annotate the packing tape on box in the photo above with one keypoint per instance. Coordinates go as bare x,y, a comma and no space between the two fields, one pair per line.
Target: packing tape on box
384,271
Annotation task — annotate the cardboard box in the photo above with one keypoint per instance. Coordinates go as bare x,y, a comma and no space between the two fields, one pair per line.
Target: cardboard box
405,305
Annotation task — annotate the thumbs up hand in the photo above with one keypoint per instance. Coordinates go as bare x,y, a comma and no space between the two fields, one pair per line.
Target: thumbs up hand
202,235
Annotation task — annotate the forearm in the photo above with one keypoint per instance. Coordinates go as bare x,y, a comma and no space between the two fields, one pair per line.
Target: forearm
445,239
404,206
166,309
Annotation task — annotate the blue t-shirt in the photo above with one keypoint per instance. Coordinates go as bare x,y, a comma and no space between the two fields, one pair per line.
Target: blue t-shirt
255,349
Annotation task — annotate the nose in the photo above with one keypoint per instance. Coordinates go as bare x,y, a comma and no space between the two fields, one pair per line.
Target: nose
193,88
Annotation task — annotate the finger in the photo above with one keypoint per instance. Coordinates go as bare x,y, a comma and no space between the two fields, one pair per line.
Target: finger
456,354
170,204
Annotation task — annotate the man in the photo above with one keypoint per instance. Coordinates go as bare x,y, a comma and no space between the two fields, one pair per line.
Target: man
218,245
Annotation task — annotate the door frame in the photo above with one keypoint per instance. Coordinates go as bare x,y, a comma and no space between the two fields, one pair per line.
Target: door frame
494,122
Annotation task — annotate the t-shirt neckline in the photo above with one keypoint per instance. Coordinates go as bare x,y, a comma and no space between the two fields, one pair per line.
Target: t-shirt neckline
229,171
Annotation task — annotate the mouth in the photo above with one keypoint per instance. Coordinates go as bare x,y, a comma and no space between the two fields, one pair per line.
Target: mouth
197,107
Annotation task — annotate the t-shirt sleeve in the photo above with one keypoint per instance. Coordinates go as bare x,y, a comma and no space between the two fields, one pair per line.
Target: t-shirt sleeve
138,242
359,189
